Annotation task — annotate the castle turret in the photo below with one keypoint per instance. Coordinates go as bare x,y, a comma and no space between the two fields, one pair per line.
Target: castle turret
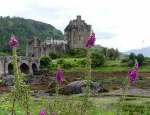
77,32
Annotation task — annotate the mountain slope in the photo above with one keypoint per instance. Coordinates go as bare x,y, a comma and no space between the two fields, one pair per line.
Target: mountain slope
22,29
145,51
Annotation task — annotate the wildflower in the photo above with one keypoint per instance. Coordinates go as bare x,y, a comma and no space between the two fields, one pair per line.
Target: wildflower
91,40
52,112
59,76
42,112
13,42
133,73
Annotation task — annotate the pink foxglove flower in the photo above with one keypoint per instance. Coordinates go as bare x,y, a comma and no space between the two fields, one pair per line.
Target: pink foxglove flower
133,73
59,76
13,42
42,112
91,40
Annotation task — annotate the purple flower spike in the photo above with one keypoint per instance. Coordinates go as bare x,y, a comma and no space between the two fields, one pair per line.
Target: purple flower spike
133,73
59,76
42,112
13,42
91,40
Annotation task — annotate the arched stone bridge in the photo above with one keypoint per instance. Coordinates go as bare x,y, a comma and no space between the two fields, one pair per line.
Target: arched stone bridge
27,65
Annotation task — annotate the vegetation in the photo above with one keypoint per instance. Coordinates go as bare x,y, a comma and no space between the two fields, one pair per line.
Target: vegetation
24,29
45,62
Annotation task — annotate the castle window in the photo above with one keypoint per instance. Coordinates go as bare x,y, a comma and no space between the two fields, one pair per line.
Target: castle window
79,38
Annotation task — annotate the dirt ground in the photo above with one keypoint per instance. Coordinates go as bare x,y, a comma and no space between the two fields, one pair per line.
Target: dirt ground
114,86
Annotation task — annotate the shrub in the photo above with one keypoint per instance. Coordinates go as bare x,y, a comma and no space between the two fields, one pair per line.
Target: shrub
53,55
77,52
45,61
61,61
68,65
97,59
82,62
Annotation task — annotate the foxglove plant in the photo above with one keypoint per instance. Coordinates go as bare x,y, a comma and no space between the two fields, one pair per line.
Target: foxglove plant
59,76
42,112
89,43
21,91
132,74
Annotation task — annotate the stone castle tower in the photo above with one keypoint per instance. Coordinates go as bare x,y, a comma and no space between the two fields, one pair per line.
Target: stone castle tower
76,33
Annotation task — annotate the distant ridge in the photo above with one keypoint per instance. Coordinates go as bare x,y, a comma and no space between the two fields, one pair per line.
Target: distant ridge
145,51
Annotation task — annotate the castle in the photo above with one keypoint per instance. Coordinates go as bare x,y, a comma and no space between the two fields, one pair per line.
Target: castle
75,35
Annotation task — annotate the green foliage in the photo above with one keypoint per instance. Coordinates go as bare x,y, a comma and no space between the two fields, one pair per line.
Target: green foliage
45,61
68,65
22,29
61,61
125,60
146,61
140,59
82,62
132,56
3,54
112,54
97,59
77,52
53,55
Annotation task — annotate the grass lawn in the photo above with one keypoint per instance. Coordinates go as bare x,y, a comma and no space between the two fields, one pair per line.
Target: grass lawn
101,104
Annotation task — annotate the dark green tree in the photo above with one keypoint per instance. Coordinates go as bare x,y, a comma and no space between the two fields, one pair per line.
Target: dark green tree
132,56
140,59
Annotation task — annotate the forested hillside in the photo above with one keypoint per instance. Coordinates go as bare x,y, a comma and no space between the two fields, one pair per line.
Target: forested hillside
22,29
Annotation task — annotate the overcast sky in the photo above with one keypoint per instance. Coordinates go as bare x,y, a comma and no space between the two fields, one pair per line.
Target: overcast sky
122,24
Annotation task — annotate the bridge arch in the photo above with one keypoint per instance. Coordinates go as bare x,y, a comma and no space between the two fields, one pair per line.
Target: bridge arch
34,67
24,68
10,69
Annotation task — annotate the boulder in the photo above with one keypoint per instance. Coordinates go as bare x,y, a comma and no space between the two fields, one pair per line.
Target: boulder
77,87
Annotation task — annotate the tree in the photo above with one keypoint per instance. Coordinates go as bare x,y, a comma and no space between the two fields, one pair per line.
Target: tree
132,56
111,54
104,51
97,59
140,59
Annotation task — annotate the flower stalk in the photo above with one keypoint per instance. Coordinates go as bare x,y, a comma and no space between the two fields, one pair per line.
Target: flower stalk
132,74
89,43
21,91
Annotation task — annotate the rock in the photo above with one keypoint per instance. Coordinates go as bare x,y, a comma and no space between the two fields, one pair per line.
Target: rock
77,87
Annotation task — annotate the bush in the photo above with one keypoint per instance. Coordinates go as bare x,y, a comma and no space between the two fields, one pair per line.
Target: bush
77,52
61,61
45,62
53,55
125,60
97,59
82,62
68,65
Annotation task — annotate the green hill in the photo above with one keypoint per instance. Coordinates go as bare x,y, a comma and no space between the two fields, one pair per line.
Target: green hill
22,29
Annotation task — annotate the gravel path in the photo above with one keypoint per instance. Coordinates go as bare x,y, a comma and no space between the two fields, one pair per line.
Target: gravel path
133,91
